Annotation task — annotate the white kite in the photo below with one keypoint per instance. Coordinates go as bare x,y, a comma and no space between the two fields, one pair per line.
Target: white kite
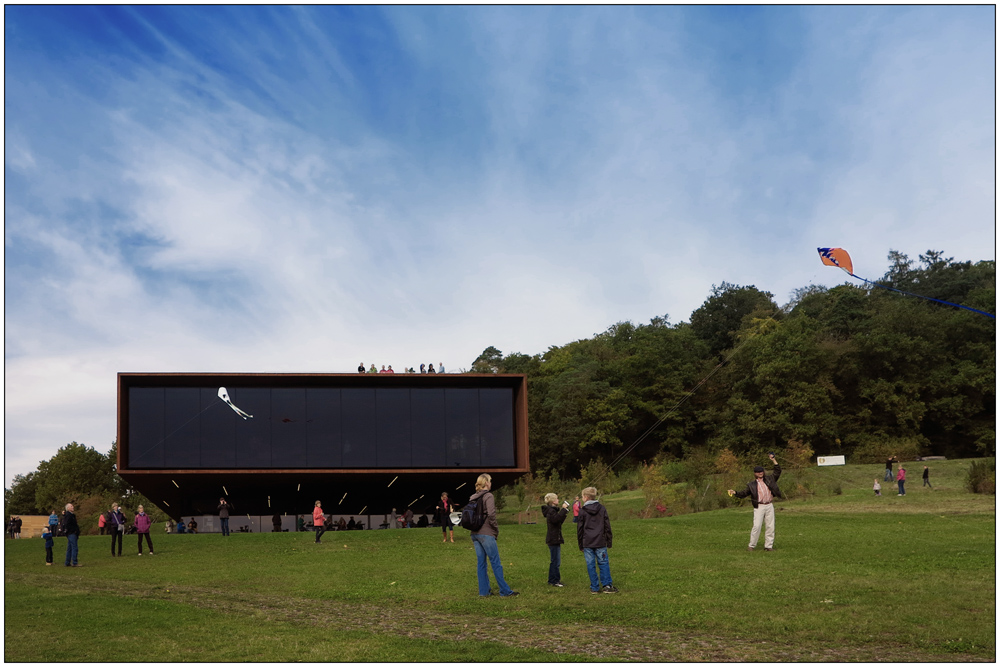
224,395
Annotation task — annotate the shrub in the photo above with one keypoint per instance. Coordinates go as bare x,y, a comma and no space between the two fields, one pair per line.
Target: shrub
798,454
652,491
982,477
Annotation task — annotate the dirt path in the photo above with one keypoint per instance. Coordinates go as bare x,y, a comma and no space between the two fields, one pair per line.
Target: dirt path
588,641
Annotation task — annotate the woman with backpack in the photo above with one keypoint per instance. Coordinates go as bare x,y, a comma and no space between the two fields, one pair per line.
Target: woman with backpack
480,516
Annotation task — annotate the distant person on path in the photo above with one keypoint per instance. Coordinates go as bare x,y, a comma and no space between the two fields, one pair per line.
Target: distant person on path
440,367
485,541
443,512
72,536
423,369
300,525
927,477
877,488
224,516
408,518
276,523
47,536
888,468
351,524
763,489
142,525
116,525
319,521
193,526
576,509
373,369
901,480
593,535
554,518
181,527
361,367
102,522
393,519
53,521
341,525
168,526
390,370
430,368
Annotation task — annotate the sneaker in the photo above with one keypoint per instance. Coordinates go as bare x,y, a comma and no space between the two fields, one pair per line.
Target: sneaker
609,589
510,595
487,595
558,584
140,553
150,553
48,563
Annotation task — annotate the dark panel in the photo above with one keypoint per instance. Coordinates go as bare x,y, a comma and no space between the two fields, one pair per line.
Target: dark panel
181,446
358,413
392,423
145,428
218,431
496,415
323,428
462,427
253,436
288,428
427,428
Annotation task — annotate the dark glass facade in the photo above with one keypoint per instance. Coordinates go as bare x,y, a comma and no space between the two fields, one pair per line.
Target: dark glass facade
321,428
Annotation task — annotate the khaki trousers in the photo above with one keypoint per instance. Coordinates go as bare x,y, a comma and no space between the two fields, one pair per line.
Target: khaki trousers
763,514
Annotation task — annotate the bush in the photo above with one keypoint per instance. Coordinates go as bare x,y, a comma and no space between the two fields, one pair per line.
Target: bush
878,449
982,477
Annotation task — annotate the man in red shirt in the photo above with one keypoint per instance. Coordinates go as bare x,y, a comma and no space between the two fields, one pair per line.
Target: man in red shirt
763,489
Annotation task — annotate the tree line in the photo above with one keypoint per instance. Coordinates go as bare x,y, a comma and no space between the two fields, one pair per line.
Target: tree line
851,370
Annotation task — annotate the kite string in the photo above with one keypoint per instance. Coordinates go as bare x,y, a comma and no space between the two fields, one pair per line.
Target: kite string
947,303
621,456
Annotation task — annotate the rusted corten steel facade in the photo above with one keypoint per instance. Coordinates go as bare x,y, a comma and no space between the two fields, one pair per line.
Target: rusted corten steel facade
360,443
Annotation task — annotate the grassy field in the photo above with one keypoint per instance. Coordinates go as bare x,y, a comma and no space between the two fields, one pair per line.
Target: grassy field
852,578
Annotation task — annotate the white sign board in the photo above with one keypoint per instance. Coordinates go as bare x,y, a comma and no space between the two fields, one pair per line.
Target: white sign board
830,461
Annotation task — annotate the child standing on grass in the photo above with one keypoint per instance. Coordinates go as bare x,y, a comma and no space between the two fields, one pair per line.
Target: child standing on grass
593,534
877,487
47,536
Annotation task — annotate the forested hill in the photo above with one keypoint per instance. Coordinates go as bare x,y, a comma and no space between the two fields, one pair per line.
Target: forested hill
851,370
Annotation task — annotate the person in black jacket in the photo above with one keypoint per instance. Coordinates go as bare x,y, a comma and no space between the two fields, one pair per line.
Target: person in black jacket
223,509
554,518
593,533
763,489
72,535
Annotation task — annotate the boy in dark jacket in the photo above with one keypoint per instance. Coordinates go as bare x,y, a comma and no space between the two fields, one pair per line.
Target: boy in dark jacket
593,534
554,518
47,536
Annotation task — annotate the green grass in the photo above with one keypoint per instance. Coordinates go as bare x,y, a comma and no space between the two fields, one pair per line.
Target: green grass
852,578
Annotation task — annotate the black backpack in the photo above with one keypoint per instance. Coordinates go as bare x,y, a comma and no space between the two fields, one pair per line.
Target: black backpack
474,514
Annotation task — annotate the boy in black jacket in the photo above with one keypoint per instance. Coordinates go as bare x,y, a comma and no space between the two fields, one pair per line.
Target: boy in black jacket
593,534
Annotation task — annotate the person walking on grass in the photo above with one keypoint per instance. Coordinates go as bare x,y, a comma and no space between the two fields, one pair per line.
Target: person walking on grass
888,468
554,518
319,521
116,524
901,480
927,477
593,535
763,489
484,540
443,511
72,536
142,525
877,488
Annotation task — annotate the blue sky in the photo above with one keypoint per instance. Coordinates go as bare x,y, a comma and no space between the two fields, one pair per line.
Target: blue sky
298,189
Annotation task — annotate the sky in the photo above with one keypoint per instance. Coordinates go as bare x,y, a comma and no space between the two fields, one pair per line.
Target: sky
300,189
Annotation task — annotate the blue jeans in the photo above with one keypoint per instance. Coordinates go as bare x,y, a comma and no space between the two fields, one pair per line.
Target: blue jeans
486,547
72,549
225,525
554,561
597,559
888,475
